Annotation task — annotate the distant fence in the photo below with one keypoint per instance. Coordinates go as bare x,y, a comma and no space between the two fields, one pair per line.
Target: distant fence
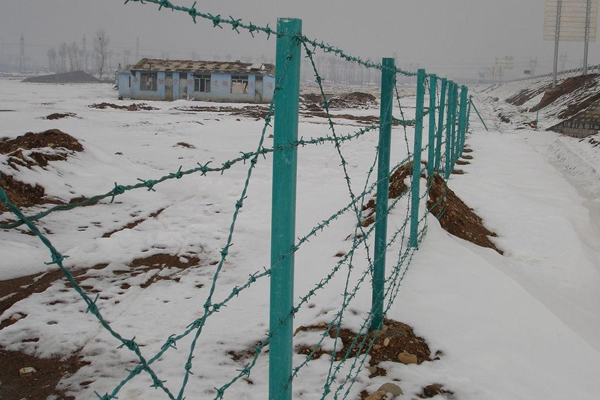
590,70
447,111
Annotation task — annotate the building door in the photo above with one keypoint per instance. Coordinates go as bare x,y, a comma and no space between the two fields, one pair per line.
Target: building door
183,85
169,86
258,89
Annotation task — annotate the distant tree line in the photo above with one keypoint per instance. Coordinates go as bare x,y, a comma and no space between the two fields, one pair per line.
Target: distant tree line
77,57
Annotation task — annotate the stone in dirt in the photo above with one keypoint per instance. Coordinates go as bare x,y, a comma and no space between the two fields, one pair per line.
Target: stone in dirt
407,358
378,395
391,388
27,371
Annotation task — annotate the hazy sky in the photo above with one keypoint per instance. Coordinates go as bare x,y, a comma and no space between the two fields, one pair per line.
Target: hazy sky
452,37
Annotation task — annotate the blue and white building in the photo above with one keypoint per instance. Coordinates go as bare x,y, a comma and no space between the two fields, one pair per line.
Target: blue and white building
155,79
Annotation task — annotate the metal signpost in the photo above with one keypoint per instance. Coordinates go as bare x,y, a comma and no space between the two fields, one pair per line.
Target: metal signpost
570,21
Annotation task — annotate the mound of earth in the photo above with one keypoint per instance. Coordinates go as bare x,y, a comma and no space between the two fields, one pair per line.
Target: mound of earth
28,151
358,100
580,90
131,107
66,77
456,217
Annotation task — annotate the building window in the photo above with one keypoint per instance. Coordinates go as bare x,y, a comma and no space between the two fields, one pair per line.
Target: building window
239,84
202,83
148,81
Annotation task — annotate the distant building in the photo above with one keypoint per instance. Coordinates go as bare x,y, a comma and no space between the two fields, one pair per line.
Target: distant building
154,79
585,123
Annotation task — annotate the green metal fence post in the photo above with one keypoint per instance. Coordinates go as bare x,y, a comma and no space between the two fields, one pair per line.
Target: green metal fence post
469,114
431,145
388,82
283,218
465,100
460,136
440,130
448,163
416,175
453,125
479,115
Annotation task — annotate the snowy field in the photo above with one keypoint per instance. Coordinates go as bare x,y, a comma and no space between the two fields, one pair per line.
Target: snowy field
520,326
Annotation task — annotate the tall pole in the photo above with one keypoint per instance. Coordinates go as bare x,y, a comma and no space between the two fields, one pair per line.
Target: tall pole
283,219
416,175
388,82
556,40
587,36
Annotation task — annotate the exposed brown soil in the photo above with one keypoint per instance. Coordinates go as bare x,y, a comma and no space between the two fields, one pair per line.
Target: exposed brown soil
133,224
23,287
156,264
186,145
53,138
357,100
568,86
397,187
21,152
456,217
527,94
576,107
433,390
261,112
56,116
256,112
394,339
131,107
39,385
504,118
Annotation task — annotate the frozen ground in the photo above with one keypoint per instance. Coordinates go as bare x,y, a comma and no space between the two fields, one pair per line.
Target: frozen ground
520,326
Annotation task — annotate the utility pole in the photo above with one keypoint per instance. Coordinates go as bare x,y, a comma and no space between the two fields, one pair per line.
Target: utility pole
22,56
556,40
137,49
587,36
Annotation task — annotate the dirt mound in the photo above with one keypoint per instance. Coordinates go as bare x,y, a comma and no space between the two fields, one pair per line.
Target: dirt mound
583,83
456,217
131,107
56,116
527,94
357,100
257,112
397,187
396,342
28,151
66,77
353,100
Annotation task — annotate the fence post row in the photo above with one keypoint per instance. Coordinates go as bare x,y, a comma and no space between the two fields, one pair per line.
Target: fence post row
283,217
388,82
416,175
461,124
431,145
447,166
454,131
469,114
440,130
464,106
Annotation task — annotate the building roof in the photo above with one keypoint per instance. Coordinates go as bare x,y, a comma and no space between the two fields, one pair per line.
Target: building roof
153,64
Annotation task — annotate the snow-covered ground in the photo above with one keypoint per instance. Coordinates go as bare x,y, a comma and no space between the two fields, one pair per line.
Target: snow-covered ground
520,326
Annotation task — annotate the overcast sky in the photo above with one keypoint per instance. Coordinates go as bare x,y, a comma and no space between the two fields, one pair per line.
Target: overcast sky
451,37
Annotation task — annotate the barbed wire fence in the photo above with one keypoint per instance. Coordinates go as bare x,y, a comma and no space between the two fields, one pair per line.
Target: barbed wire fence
448,115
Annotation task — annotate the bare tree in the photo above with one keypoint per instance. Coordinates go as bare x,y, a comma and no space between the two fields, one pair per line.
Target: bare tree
52,56
62,54
74,60
101,49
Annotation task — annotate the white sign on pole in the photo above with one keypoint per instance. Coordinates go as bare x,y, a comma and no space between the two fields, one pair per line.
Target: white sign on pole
572,20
